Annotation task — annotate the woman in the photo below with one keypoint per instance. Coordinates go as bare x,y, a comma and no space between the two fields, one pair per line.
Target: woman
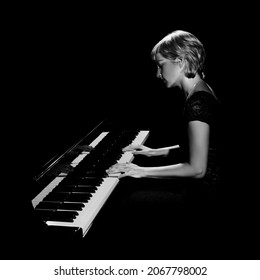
179,208
180,59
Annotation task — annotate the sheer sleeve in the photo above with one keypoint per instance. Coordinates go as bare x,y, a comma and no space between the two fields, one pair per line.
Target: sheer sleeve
200,107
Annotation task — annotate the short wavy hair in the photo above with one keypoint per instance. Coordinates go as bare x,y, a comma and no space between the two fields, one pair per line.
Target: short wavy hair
185,46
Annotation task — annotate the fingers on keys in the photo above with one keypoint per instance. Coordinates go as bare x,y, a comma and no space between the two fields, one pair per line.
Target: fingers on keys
130,148
118,168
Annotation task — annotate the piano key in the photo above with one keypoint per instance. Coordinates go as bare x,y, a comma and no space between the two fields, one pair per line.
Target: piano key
92,207
47,190
141,137
79,158
98,139
65,216
65,188
59,205
56,181
76,188
56,196
83,154
108,152
128,156
85,188
72,206
46,205
95,181
79,197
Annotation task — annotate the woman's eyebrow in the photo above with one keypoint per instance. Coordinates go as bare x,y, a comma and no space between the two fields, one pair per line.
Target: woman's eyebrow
159,61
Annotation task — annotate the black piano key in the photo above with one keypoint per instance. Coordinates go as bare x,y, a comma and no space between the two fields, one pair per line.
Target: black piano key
48,205
82,180
61,219
95,170
79,197
72,206
76,188
56,196
68,198
59,205
85,188
63,216
99,171
91,180
65,188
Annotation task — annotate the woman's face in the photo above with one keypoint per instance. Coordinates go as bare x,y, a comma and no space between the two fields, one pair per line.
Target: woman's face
168,70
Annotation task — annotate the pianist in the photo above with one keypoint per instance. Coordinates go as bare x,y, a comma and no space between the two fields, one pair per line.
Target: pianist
180,58
177,201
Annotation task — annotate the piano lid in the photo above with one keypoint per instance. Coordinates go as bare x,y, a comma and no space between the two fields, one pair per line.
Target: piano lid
64,149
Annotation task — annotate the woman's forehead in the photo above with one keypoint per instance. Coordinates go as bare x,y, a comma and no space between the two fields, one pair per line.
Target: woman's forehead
159,57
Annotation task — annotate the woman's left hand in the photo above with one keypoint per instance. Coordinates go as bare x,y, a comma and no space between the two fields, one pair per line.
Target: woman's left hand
127,169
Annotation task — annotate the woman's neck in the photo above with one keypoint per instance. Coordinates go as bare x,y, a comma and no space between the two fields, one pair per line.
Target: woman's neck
189,85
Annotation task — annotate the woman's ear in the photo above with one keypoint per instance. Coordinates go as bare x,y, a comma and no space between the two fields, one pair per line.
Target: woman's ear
182,63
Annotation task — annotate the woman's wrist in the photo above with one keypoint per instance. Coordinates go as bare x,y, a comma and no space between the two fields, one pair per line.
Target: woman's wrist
145,172
162,151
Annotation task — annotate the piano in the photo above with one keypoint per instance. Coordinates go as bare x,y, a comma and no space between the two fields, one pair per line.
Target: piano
70,200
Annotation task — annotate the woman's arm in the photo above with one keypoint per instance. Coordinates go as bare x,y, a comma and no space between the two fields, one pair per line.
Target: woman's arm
198,133
150,152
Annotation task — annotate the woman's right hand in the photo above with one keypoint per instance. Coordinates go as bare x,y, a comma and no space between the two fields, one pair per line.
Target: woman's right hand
142,150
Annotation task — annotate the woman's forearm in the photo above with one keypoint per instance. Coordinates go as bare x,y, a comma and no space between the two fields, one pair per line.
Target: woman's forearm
176,170
165,150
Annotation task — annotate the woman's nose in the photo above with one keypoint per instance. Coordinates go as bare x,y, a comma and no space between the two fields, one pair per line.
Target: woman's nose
159,73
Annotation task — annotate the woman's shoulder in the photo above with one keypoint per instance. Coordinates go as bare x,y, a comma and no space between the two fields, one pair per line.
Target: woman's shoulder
204,95
203,99
204,92
202,105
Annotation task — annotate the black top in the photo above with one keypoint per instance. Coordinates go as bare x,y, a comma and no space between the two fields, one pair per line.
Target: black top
204,106
201,106
176,210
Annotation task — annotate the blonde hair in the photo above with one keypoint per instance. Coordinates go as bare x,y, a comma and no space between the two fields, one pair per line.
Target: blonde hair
185,46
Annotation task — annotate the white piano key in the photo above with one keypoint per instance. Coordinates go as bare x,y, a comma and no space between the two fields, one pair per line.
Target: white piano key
141,137
48,189
128,156
78,159
98,139
62,175
83,154
139,140
92,207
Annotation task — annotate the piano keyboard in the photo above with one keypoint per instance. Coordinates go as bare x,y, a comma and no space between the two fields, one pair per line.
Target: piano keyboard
78,159
62,175
70,201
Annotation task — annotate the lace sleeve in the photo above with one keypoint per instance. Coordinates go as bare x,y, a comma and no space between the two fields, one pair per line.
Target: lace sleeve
200,107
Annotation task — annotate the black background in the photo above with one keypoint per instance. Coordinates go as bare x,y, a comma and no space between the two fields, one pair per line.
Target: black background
78,70
71,68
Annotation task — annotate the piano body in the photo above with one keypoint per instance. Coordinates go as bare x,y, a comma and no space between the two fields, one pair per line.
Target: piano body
67,202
